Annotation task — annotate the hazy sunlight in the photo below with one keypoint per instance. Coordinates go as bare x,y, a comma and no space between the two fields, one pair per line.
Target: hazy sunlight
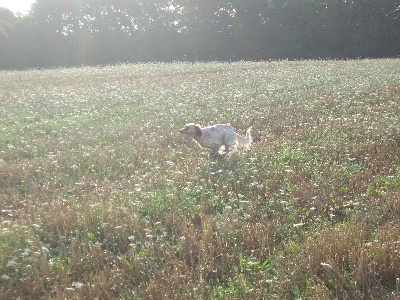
21,6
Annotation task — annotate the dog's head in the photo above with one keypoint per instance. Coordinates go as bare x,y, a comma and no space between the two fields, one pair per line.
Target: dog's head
191,129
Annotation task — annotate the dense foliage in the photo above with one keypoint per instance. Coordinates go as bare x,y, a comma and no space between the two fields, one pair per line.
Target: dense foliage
90,32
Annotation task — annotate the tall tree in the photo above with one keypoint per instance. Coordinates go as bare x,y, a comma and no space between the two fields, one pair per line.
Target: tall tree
7,37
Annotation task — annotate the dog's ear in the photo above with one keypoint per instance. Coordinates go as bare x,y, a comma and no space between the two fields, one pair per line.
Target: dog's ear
197,130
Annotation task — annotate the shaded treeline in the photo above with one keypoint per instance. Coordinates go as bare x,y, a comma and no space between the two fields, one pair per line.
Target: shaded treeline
91,32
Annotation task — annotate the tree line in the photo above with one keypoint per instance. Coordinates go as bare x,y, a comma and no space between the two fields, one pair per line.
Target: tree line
92,32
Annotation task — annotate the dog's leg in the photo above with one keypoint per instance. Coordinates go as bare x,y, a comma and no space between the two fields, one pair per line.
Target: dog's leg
214,152
227,148
228,143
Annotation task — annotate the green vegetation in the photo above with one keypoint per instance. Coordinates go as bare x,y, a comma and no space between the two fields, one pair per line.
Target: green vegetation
101,197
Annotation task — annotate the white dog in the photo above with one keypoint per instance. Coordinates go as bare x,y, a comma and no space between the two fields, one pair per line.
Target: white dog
213,137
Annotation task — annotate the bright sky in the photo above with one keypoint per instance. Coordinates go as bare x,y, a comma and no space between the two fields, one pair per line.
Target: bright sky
21,6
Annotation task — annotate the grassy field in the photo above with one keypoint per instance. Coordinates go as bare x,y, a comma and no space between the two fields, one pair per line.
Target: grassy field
102,198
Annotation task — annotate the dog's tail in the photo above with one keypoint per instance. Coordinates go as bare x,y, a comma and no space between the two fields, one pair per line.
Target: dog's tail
244,141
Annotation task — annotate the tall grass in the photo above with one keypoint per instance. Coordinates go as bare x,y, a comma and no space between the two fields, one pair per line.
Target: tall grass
101,197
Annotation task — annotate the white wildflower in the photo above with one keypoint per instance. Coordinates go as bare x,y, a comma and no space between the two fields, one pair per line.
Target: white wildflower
11,264
77,285
327,266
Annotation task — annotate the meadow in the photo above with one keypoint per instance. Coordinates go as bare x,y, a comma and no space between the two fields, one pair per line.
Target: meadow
102,198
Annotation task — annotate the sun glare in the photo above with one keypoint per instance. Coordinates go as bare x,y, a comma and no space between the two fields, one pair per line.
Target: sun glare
21,6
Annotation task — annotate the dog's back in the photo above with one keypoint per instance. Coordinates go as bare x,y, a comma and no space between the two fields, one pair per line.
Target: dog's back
217,135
